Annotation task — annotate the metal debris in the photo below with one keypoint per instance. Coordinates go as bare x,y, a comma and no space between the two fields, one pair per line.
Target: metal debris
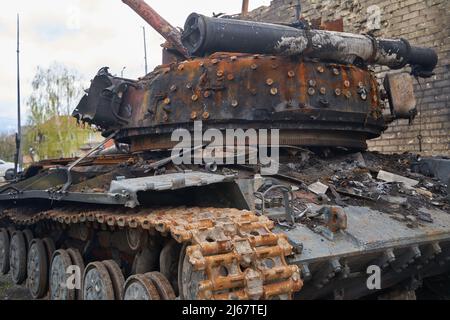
391,177
318,188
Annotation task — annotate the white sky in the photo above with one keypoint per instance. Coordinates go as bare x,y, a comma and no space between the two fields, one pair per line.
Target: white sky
85,35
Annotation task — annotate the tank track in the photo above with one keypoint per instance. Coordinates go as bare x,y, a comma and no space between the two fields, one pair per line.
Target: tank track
234,251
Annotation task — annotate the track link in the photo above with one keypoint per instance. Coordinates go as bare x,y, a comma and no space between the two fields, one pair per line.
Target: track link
235,250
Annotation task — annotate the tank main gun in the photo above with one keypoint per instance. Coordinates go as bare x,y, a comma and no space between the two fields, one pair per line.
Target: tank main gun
164,28
204,35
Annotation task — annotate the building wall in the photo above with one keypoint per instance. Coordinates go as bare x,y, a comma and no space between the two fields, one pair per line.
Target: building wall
423,23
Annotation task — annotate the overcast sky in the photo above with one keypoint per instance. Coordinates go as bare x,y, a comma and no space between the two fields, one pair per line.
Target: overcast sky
85,35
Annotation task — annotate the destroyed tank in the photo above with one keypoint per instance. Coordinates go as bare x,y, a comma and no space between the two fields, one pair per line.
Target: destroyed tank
130,222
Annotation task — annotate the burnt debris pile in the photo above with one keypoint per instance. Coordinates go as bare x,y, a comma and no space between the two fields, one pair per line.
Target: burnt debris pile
404,186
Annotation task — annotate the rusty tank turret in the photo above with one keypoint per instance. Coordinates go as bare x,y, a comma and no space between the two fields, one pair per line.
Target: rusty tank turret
142,225
313,85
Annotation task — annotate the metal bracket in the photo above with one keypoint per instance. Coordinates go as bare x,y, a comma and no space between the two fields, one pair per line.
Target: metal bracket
76,162
287,196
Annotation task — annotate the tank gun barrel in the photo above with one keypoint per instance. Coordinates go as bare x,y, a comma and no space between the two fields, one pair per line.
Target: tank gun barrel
164,28
204,35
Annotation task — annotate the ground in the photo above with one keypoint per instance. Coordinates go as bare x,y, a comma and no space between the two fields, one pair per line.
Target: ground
10,291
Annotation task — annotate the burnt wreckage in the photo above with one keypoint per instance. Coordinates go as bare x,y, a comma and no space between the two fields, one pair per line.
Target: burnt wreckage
140,227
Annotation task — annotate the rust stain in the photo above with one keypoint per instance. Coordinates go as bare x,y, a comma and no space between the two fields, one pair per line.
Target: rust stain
241,256
243,87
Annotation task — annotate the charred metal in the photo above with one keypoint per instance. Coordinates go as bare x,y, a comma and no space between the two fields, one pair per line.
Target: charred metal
141,226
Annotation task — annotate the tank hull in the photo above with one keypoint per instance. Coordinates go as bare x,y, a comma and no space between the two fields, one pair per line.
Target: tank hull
327,251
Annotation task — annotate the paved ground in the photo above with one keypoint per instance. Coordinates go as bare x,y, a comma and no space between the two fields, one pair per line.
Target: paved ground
10,291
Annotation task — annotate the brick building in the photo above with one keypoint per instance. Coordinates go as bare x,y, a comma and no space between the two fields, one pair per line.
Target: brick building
423,23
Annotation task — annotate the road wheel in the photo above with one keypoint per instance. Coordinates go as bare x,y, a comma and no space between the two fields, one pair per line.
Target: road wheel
37,269
18,257
4,251
136,238
146,260
97,284
11,230
50,248
168,262
28,237
140,287
161,284
58,277
117,278
77,260
188,279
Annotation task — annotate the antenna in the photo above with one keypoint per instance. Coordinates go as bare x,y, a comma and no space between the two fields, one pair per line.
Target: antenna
145,51
298,11
18,156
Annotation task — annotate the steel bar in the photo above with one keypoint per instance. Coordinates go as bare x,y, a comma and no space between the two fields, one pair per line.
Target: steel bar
164,28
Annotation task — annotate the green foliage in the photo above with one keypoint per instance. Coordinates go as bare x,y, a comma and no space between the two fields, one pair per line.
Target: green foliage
51,132
58,137
7,147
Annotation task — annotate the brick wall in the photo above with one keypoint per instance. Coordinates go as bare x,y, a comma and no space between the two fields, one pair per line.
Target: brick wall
423,23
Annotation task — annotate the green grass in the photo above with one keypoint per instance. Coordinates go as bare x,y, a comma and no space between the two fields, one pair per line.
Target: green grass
4,287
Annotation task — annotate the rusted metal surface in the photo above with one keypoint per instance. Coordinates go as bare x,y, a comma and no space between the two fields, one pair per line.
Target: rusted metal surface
245,4
117,278
402,100
92,161
334,25
273,87
143,286
336,219
162,285
237,241
164,28
301,98
309,101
